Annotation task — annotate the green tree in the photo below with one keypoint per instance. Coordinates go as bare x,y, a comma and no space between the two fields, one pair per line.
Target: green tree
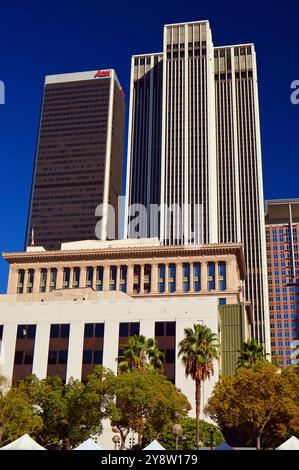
17,416
187,440
145,402
251,353
141,353
256,406
70,412
198,350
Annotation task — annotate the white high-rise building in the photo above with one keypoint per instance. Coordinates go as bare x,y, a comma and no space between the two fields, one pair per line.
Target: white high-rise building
194,149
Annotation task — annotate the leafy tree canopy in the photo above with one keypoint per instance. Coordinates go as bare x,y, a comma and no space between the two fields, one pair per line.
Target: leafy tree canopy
145,403
256,406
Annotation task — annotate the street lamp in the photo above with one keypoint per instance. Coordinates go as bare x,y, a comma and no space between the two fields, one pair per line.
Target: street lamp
211,431
177,430
115,440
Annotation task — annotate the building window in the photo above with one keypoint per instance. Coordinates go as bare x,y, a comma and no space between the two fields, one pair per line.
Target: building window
112,280
123,279
222,301
76,278
43,280
161,278
53,279
222,275
89,277
30,280
57,357
99,278
147,278
66,278
136,279
94,330
21,277
128,329
172,277
211,276
196,277
60,330
26,331
186,277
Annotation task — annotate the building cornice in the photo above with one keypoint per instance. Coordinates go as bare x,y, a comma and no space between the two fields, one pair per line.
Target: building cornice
129,253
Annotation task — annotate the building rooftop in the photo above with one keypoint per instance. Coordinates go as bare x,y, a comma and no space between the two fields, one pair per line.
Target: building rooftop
277,210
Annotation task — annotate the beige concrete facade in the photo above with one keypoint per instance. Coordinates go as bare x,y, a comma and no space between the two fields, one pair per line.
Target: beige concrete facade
142,265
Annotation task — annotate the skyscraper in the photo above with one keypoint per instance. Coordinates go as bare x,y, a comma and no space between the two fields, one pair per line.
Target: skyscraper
209,153
79,154
282,235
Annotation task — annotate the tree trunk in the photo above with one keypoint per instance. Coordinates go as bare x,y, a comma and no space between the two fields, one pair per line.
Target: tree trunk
123,437
258,442
197,403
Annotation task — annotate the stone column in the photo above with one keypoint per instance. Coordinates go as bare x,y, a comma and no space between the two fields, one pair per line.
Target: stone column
48,280
59,279
117,277
166,278
94,277
41,349
216,276
130,278
106,278
74,360
25,281
12,283
141,279
179,277
110,352
36,282
191,277
82,279
204,276
71,278
154,278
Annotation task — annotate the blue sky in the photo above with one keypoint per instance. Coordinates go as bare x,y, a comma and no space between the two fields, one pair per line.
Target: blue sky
40,38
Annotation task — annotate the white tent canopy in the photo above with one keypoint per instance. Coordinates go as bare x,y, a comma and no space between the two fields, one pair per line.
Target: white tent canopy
154,446
290,444
89,444
23,443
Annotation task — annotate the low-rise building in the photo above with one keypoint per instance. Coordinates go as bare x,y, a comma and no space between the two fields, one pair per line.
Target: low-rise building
67,311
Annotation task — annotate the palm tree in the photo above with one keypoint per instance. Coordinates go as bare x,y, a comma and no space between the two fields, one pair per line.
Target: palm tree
198,349
251,353
141,353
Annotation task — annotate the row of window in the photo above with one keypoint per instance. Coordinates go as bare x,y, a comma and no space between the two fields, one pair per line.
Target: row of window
92,347
142,278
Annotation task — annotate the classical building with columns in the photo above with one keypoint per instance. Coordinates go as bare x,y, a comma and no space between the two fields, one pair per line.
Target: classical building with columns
69,310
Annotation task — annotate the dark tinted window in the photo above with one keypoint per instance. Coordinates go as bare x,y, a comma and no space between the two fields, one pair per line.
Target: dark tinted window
64,331
28,357
124,329
52,358
88,333
134,329
62,357
170,328
31,331
159,328
54,331
19,357
170,356
99,333
98,357
87,356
